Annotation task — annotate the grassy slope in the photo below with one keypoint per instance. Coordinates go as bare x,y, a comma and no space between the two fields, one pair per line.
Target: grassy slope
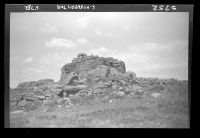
170,110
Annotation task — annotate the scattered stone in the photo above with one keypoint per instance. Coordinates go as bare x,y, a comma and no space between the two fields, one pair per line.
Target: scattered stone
56,91
132,93
77,94
13,103
121,88
44,110
70,95
66,98
60,100
115,86
155,94
67,102
120,93
40,96
59,106
39,101
66,106
17,111
32,98
97,91
89,93
22,103
134,88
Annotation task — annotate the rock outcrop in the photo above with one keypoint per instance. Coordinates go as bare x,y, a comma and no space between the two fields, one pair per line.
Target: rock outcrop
83,63
30,95
85,76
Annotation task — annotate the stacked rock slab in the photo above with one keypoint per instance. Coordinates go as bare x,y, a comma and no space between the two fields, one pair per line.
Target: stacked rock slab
29,93
83,63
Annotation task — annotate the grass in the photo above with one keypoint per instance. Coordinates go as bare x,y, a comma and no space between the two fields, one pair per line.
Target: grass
18,120
170,110
47,117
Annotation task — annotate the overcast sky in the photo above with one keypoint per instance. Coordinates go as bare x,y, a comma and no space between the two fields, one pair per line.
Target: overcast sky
151,44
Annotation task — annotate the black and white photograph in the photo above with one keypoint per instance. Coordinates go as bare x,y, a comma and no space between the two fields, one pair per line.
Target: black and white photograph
99,69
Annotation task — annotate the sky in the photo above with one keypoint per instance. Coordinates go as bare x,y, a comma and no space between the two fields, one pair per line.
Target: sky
152,44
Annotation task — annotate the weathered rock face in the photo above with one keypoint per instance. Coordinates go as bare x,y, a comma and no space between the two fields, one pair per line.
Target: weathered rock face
103,71
83,63
68,78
